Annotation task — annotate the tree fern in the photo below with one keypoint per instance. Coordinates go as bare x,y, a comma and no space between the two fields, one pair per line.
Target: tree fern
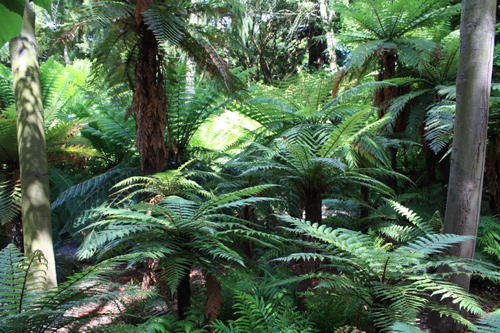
397,284
168,226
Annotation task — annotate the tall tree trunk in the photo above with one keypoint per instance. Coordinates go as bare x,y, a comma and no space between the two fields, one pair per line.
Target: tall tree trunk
326,16
471,123
190,63
37,223
477,31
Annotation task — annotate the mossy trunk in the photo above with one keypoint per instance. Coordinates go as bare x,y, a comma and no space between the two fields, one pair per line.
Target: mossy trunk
37,223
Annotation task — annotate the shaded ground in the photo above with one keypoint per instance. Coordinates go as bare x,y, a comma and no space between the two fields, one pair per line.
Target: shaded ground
107,312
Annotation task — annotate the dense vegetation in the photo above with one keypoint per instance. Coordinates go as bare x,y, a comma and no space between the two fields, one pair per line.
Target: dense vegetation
265,165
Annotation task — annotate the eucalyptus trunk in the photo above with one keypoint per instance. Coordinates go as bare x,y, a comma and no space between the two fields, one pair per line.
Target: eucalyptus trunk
37,223
477,33
471,123
326,16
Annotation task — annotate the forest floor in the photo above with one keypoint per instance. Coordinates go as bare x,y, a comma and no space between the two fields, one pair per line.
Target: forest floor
111,311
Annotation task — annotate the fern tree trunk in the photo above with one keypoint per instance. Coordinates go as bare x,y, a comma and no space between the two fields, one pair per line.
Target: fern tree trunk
383,96
184,294
477,33
37,223
311,200
148,104
148,108
214,299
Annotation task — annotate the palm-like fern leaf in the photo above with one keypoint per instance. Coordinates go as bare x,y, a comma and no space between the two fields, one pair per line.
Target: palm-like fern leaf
398,283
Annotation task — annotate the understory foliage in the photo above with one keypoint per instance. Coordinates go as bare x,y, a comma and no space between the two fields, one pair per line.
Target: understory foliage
260,315
245,193
254,303
171,220
26,307
394,282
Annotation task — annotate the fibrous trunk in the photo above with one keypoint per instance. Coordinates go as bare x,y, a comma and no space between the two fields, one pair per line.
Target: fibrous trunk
382,100
311,202
148,104
214,299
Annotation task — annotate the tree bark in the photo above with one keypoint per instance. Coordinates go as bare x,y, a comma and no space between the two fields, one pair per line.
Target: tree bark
184,294
148,104
326,16
37,223
477,32
471,123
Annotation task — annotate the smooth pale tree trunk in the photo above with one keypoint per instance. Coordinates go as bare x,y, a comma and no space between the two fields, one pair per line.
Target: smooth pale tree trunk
475,66
37,224
477,33
190,63
326,16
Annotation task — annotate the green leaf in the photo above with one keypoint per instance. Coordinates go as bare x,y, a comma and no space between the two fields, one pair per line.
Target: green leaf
46,4
16,6
404,328
12,21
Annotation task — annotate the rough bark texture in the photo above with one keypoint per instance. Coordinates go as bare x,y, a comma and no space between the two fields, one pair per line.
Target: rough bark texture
148,104
214,299
477,30
382,98
37,223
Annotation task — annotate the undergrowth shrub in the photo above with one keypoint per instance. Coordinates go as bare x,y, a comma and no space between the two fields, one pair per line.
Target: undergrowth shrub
25,305
394,282
259,305
331,310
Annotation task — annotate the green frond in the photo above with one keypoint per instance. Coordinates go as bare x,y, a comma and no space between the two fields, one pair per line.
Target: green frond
345,132
439,126
261,315
432,243
27,307
444,289
489,324
399,327
6,86
19,279
412,217
10,201
364,52
398,103
87,195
